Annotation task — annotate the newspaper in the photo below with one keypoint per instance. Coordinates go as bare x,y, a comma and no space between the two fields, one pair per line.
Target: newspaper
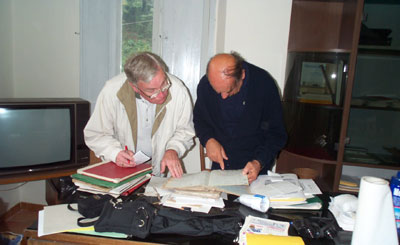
255,225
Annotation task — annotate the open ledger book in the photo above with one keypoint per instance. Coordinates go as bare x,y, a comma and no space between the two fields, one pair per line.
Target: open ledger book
207,180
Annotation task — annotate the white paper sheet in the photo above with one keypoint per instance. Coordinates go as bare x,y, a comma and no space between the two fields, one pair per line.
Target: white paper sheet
140,157
57,218
309,187
155,187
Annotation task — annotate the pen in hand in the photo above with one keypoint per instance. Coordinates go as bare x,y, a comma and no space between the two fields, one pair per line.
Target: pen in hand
126,150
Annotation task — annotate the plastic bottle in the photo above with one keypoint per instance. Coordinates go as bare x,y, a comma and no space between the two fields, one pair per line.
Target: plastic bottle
395,188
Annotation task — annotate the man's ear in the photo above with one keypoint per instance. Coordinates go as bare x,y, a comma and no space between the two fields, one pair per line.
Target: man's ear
243,74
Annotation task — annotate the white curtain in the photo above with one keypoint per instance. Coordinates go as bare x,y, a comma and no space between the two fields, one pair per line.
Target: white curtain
183,36
100,50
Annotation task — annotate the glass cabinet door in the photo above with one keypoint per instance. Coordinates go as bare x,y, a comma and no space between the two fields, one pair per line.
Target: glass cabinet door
373,131
313,102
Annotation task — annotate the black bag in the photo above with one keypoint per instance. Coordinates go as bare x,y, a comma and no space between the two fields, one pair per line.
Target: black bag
133,218
139,218
89,206
176,221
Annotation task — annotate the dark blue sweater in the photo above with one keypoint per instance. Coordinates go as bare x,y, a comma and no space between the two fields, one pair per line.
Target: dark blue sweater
259,133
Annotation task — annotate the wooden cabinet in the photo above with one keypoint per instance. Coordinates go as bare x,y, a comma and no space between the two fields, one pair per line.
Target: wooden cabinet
335,62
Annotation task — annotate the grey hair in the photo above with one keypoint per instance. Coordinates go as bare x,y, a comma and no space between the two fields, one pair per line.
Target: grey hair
236,70
143,67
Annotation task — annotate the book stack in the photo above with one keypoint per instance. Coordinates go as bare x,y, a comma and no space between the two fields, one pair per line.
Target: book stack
349,183
108,178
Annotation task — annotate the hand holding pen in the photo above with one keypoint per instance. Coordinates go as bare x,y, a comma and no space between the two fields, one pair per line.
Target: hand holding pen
125,158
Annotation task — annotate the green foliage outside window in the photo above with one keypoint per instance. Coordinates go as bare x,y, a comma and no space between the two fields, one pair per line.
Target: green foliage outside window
137,27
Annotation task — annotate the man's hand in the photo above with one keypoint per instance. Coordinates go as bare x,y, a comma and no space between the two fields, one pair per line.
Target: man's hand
216,152
252,169
171,160
125,159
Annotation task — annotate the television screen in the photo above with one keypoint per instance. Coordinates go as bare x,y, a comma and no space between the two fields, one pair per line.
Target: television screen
42,138
32,136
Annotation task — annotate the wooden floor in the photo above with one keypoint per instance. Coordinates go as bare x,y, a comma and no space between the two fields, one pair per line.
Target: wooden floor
19,217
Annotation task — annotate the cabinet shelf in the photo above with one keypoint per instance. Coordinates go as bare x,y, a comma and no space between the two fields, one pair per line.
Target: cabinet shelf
371,165
378,50
387,108
320,50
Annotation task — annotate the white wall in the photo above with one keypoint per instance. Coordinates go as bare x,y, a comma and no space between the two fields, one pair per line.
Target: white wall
259,31
46,48
6,57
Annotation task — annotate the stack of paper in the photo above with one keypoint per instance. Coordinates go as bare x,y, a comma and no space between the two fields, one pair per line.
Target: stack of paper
286,191
195,200
195,203
198,191
108,178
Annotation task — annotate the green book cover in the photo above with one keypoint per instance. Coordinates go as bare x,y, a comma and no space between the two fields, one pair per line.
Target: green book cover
314,199
105,183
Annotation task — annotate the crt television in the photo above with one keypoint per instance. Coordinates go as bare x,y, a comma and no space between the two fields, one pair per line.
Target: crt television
38,135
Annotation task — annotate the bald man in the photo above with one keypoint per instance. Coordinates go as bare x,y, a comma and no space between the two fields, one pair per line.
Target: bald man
238,116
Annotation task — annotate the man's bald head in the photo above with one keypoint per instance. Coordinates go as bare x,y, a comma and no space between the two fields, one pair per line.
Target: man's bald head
225,73
230,65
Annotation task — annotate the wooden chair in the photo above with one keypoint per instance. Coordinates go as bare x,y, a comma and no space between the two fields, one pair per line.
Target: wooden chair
203,158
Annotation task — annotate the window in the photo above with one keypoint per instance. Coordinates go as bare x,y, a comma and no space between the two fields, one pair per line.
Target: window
137,27
181,32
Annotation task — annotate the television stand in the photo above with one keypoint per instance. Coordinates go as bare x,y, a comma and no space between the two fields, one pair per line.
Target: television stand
36,176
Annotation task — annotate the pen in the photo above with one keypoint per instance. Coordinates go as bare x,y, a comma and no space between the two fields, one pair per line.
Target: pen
126,150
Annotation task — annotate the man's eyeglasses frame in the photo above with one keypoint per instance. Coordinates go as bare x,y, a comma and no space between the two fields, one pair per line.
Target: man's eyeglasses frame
158,91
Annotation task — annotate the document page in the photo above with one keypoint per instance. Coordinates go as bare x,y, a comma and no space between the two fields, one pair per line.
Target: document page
227,177
189,180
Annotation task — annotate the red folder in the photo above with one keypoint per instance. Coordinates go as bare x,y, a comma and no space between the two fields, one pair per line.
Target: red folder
109,171
128,192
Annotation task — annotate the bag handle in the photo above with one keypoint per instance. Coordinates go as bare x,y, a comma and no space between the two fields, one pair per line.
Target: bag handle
81,221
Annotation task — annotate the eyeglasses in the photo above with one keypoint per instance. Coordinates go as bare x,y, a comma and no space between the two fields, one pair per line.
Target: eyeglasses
158,91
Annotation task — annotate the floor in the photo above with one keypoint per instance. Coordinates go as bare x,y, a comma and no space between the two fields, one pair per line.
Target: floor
18,218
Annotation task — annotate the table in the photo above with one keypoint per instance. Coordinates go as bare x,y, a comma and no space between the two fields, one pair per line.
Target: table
31,237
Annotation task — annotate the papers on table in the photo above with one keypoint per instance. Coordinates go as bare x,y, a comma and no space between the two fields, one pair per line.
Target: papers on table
207,180
198,204
58,218
199,201
285,190
155,187
309,187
